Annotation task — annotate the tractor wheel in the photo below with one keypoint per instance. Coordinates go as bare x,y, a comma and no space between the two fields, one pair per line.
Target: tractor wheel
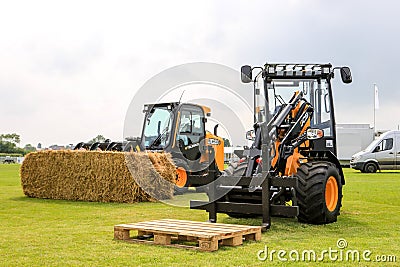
370,167
181,184
319,192
235,169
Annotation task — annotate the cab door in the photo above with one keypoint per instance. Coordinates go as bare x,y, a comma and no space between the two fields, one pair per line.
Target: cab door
385,154
191,131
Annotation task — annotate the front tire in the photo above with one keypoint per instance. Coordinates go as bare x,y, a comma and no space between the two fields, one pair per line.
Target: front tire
182,169
370,167
319,192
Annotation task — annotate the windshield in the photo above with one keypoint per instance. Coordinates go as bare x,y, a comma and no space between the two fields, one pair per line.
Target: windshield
157,128
372,145
315,91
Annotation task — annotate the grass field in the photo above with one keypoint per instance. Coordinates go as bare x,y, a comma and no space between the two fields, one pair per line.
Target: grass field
39,232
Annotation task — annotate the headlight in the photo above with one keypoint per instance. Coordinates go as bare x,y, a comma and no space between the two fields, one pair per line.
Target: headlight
313,134
356,158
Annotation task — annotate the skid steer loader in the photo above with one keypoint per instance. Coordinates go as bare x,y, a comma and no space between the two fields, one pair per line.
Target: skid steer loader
291,169
180,129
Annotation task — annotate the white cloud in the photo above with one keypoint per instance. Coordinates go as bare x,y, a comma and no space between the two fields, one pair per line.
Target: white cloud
69,69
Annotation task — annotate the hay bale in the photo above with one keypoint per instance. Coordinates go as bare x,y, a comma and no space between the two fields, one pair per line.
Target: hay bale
98,176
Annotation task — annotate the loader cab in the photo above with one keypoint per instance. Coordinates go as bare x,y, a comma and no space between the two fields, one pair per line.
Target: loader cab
180,129
174,127
171,125
316,92
289,100
275,85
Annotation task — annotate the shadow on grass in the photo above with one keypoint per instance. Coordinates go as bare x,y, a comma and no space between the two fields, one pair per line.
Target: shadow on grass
257,221
244,221
346,220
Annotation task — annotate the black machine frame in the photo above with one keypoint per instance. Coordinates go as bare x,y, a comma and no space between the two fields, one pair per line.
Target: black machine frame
263,201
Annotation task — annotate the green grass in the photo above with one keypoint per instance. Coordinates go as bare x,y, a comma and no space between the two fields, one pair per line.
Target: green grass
39,232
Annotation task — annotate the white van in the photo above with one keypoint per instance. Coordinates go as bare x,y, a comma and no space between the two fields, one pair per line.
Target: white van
382,154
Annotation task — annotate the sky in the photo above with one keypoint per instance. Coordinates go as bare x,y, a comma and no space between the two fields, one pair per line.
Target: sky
69,69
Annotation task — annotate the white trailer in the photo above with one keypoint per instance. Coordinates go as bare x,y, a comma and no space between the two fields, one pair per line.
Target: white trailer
352,138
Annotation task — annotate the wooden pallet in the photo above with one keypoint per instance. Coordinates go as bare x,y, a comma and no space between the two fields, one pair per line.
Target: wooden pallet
205,236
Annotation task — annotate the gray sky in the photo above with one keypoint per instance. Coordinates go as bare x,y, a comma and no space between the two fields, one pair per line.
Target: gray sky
69,69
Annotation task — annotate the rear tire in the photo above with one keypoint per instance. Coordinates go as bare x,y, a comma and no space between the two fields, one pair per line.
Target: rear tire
235,169
319,192
370,167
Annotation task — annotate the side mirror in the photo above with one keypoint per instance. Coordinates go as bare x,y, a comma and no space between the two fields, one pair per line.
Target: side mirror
246,74
346,74
250,135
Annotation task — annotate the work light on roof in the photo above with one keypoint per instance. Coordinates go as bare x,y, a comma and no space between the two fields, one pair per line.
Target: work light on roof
271,69
326,70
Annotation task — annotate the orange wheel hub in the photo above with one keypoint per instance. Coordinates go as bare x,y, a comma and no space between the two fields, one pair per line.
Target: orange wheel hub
181,177
331,193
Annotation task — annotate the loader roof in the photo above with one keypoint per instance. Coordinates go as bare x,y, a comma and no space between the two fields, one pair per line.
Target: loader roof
172,105
169,105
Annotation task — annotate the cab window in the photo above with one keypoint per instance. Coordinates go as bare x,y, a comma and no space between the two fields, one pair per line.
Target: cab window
385,144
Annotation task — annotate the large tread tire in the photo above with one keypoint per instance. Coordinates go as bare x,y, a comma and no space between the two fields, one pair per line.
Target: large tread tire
235,168
311,190
181,190
239,169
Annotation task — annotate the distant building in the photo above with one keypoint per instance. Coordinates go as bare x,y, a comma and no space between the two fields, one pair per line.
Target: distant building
56,147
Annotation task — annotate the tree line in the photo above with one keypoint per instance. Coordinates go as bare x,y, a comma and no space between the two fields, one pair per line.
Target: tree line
9,145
